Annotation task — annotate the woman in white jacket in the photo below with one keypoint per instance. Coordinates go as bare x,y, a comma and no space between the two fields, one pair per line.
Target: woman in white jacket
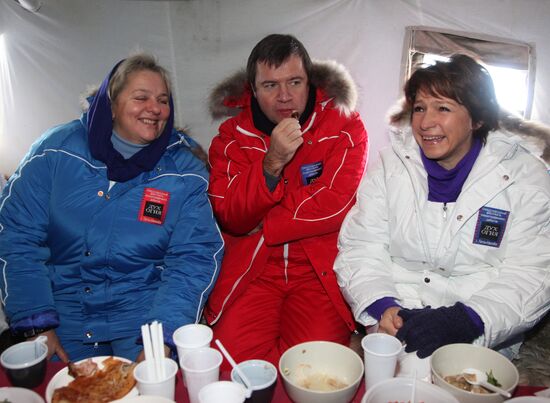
449,240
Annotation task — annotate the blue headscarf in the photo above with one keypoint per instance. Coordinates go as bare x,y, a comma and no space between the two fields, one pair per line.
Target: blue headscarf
100,129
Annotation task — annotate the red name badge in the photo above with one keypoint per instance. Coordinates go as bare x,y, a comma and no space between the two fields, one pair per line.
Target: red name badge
154,206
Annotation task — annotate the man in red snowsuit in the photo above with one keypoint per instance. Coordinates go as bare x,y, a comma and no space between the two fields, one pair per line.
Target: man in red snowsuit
284,173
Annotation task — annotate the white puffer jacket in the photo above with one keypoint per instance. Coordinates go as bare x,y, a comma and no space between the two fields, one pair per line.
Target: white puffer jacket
396,243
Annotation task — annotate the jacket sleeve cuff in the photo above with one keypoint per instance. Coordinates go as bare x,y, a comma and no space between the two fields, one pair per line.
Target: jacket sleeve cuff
271,181
378,307
42,320
475,318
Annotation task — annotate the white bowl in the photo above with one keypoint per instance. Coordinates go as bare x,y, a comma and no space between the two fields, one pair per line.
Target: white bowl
319,363
453,358
19,395
400,390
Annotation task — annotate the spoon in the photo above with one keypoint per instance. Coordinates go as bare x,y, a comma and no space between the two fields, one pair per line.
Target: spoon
244,378
40,339
478,377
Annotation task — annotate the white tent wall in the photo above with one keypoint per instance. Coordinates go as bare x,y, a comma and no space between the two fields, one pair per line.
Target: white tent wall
51,56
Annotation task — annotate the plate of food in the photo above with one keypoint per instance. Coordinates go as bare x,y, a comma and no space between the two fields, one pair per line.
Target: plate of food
19,395
100,379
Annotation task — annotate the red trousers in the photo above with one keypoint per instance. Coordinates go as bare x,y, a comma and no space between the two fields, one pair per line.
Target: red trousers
279,309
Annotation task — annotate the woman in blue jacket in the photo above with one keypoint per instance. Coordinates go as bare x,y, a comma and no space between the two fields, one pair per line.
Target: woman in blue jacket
106,224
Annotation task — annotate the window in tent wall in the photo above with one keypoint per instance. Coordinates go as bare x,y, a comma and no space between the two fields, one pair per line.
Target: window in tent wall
510,63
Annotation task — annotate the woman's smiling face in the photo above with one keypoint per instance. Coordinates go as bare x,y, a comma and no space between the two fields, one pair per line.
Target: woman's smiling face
142,108
442,127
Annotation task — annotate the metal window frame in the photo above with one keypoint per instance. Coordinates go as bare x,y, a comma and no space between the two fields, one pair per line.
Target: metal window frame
489,49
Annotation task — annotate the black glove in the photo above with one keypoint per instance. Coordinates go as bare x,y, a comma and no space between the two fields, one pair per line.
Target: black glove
406,314
425,330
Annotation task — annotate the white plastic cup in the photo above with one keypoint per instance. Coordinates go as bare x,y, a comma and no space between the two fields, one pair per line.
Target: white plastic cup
380,354
25,363
191,337
222,391
200,367
409,365
165,387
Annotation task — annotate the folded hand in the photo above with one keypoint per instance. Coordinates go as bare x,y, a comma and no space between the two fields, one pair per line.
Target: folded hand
425,330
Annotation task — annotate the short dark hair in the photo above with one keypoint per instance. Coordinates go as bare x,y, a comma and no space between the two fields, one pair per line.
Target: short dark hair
464,80
273,50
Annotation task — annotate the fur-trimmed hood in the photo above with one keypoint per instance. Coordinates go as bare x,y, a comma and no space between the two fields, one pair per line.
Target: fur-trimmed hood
233,93
535,135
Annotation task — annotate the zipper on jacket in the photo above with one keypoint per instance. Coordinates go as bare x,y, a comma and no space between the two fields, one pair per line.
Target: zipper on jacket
285,257
445,211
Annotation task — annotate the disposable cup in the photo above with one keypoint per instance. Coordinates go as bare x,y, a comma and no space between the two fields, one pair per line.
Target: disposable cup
191,337
380,355
222,391
409,366
263,377
26,362
148,385
200,368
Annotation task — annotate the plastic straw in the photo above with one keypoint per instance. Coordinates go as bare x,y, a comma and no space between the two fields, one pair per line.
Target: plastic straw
160,339
148,349
155,342
234,365
153,346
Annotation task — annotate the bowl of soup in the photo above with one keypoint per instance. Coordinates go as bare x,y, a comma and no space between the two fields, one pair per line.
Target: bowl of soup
321,372
447,363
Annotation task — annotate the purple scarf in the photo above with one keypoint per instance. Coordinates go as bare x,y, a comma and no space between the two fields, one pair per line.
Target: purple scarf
444,185
100,129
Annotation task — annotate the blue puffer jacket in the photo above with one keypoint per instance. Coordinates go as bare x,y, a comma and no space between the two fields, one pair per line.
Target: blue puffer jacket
107,260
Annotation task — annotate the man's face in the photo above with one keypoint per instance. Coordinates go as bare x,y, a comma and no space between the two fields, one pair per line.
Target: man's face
281,90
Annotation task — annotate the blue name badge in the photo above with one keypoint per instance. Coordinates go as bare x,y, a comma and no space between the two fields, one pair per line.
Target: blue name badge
310,172
491,223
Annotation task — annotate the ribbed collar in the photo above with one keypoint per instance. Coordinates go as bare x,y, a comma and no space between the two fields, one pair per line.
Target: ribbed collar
445,185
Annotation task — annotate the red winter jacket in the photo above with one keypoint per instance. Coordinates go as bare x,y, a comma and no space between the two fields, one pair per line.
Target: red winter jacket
335,141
